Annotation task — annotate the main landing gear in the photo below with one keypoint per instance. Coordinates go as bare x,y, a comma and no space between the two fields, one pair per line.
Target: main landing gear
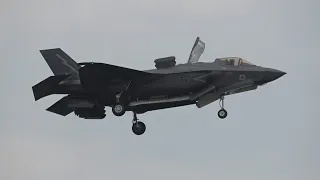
222,113
138,127
119,108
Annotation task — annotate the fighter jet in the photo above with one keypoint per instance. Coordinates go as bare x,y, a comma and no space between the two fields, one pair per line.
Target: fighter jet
90,87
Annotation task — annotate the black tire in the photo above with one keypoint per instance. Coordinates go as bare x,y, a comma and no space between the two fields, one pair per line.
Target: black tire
138,128
222,113
118,109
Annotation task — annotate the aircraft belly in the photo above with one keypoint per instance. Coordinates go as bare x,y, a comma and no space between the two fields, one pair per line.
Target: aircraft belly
158,106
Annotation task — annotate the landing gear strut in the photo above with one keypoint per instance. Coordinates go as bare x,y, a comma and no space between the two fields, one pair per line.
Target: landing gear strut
119,109
138,127
222,113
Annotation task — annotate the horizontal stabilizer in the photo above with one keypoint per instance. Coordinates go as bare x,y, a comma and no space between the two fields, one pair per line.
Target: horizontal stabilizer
68,104
61,107
47,86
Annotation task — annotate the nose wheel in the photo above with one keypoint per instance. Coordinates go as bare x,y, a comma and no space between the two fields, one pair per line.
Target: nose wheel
138,127
222,113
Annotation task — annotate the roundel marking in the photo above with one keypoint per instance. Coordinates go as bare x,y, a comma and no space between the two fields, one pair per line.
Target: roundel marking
242,77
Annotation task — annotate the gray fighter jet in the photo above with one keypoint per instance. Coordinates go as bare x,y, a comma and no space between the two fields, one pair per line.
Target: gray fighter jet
90,87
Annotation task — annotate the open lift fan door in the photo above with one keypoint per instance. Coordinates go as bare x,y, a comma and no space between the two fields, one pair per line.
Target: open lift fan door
165,62
196,51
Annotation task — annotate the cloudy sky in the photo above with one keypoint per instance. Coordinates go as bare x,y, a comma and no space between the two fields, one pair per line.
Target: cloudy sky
271,133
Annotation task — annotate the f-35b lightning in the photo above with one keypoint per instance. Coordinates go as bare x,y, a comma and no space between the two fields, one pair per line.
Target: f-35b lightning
90,87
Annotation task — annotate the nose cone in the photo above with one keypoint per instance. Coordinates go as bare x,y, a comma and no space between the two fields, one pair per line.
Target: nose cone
273,74
270,75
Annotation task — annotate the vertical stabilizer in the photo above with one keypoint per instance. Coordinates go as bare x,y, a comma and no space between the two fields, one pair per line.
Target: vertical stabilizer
60,63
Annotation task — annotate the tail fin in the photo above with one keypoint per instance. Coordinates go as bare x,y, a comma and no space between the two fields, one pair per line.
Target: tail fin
60,63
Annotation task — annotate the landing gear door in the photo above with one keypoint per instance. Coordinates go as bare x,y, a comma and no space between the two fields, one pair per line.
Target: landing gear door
196,51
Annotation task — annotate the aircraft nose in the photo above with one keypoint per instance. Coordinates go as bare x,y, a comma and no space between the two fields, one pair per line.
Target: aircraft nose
273,74
270,75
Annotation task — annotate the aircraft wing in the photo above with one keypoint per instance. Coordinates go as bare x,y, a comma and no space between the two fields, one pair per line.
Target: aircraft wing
196,51
100,76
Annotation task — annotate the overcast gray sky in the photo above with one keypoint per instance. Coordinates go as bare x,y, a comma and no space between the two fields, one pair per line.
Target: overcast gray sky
271,133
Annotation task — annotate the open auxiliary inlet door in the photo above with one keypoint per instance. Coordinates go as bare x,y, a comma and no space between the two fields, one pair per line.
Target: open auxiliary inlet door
165,62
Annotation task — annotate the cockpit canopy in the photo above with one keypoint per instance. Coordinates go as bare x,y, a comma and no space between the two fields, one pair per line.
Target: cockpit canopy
234,61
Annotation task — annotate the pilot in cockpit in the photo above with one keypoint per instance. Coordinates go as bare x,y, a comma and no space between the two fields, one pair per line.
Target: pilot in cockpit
231,61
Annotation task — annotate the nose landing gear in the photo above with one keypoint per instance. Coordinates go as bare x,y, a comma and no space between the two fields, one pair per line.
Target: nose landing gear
222,113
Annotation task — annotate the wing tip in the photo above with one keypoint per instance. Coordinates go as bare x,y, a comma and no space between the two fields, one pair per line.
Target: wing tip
49,49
